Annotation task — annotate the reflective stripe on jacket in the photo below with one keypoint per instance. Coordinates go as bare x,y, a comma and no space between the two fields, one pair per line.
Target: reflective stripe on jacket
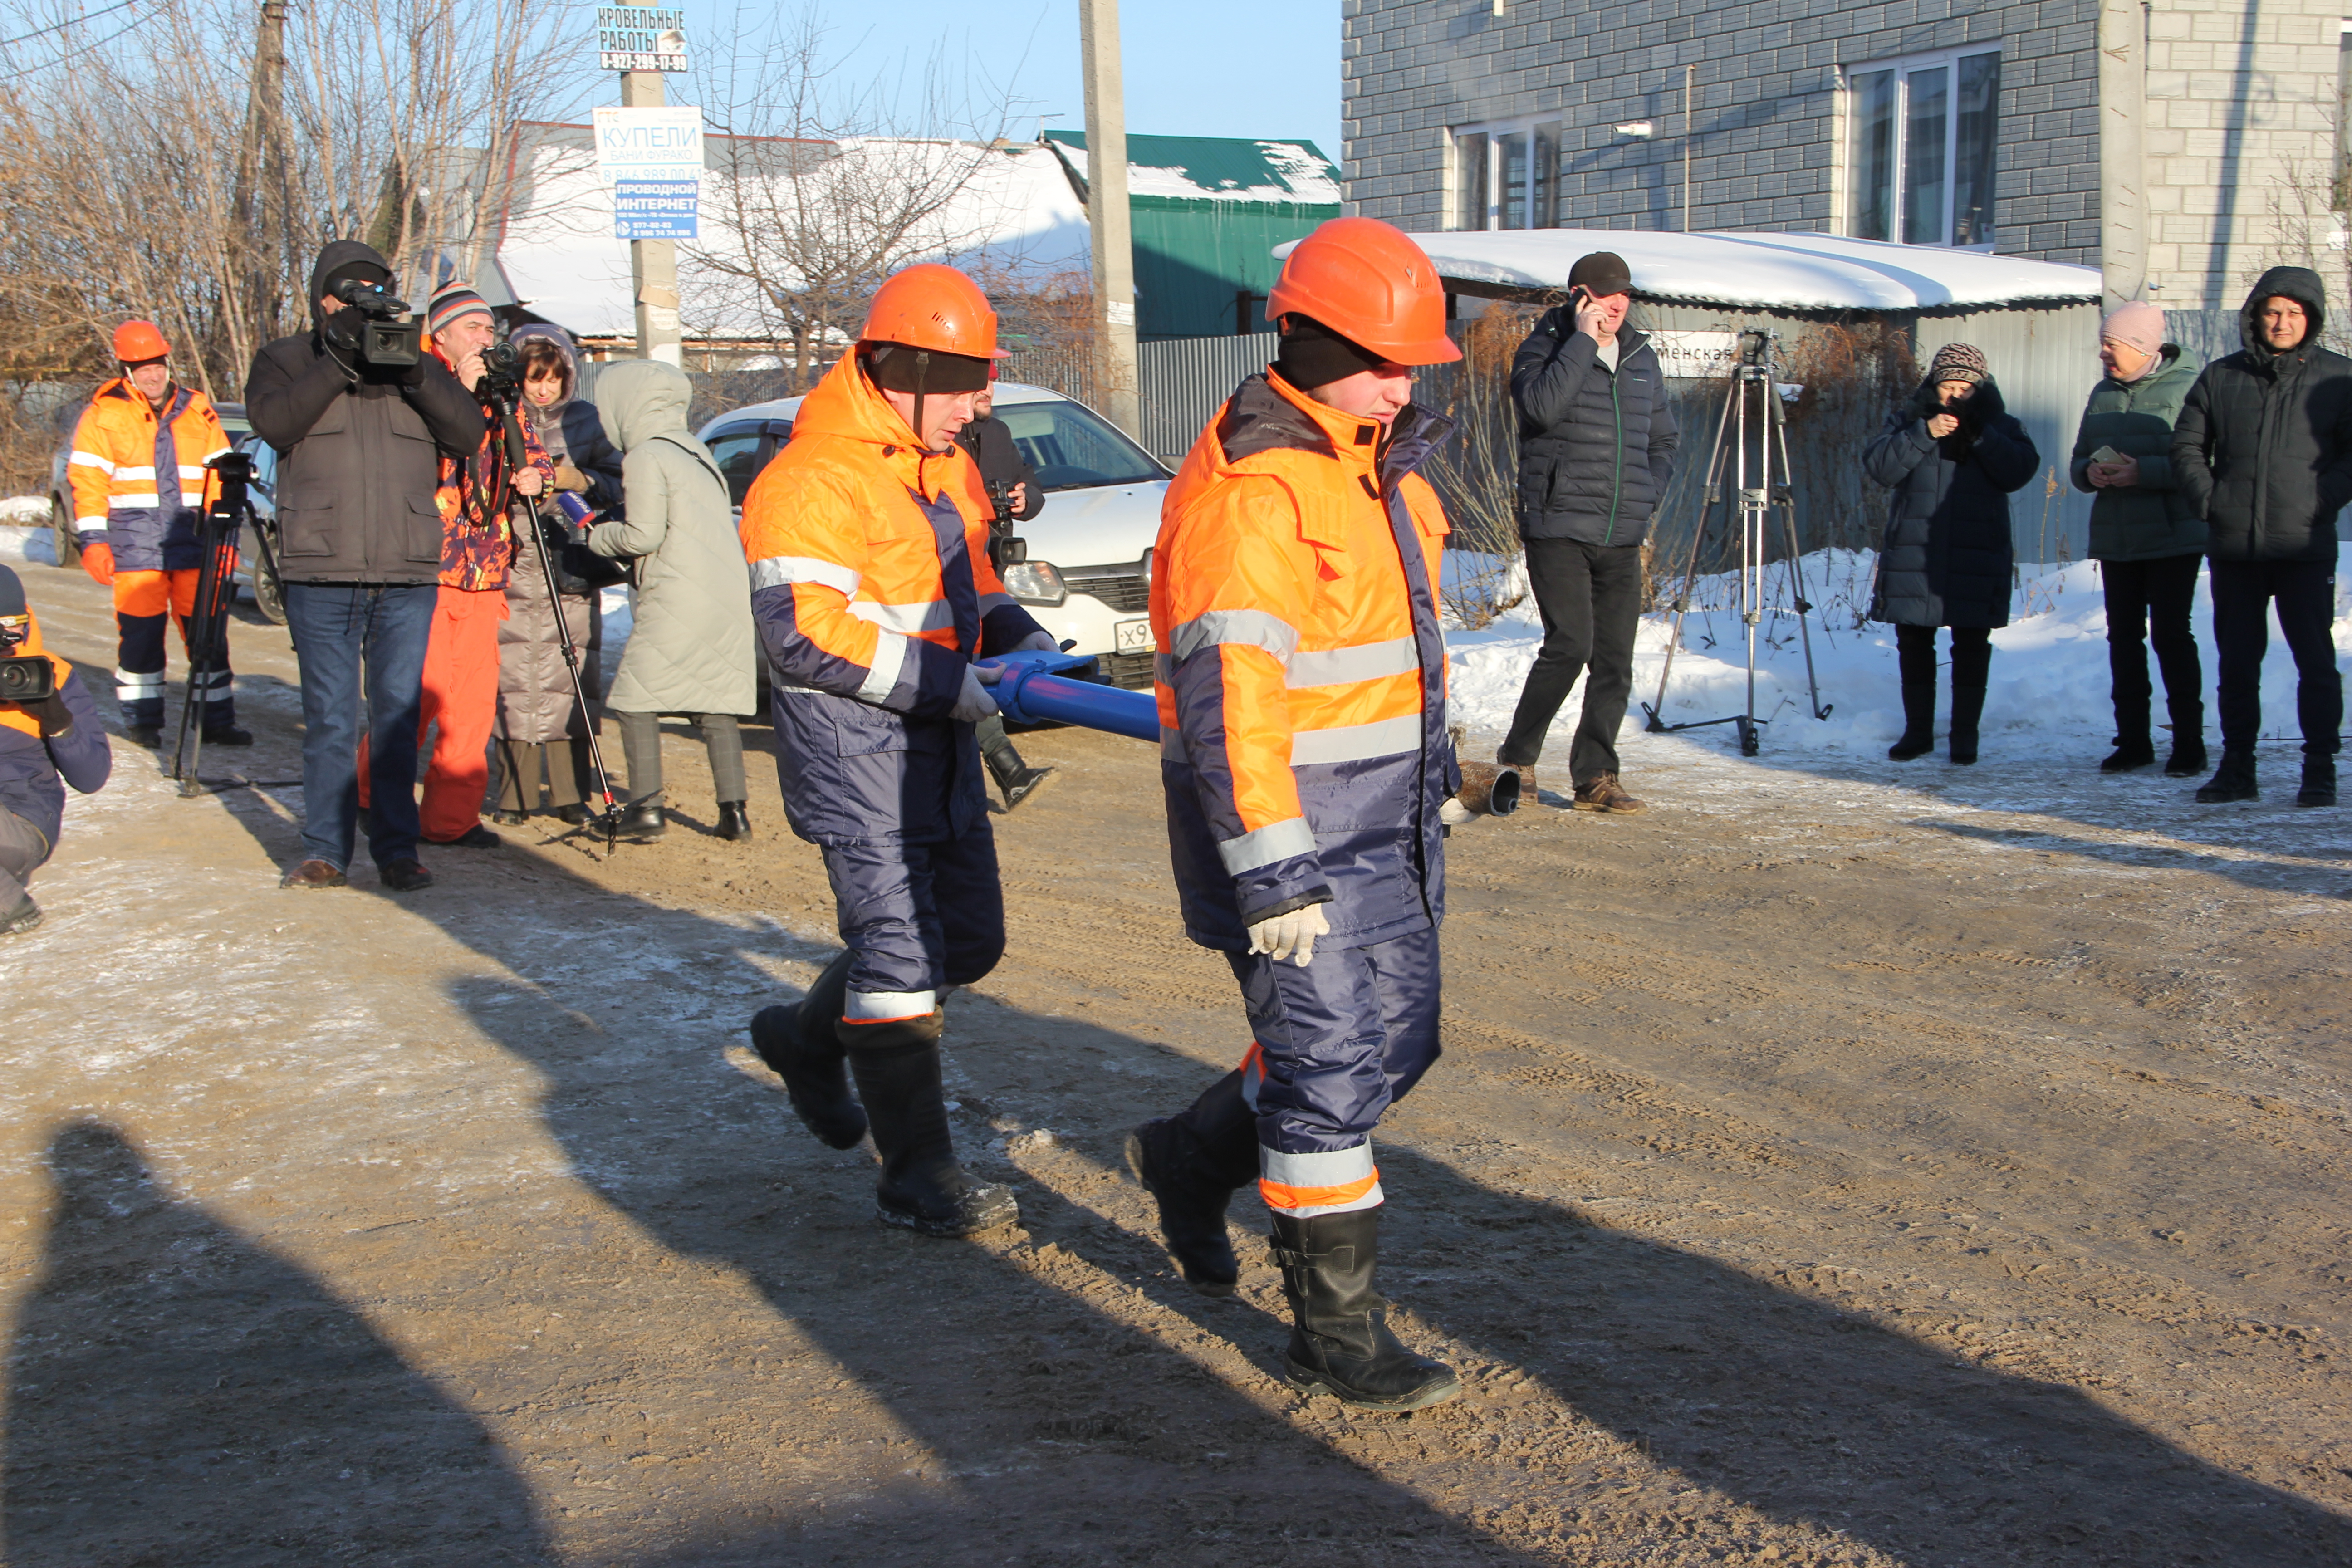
872,591
139,478
1301,678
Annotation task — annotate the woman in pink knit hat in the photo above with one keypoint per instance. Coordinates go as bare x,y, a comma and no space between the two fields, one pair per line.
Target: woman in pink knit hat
2146,534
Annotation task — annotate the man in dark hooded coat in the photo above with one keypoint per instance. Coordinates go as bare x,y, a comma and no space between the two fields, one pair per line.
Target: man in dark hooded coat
2263,449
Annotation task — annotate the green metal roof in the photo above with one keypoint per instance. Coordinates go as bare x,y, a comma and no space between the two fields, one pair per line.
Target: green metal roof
1286,172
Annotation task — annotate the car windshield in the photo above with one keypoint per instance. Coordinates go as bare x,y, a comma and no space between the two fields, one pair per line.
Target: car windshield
1073,447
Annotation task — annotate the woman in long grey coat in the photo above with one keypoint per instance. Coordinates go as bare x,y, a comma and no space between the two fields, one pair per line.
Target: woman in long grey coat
536,705
691,651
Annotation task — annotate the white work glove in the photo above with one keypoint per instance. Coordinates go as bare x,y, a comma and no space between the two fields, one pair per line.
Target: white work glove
1454,814
1294,933
974,702
1037,642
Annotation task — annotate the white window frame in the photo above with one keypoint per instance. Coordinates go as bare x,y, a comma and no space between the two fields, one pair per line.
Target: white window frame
1903,65
1494,130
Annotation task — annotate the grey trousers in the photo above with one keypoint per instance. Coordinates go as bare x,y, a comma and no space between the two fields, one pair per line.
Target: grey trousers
22,849
641,745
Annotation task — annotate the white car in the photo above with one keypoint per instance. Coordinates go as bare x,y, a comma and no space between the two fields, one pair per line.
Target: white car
1087,579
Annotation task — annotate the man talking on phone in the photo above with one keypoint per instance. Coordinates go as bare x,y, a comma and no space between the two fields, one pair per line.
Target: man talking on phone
1596,448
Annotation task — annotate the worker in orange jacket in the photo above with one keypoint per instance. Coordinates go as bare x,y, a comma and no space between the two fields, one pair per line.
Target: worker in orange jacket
873,593
1308,776
140,487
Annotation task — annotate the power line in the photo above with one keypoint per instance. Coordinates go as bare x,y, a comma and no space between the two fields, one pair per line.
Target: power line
69,22
79,48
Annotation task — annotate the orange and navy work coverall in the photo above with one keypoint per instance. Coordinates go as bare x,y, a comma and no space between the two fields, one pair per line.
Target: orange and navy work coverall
872,589
1303,753
140,487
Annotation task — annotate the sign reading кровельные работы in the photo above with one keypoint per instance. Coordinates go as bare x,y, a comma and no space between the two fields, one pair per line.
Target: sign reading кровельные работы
640,39
653,160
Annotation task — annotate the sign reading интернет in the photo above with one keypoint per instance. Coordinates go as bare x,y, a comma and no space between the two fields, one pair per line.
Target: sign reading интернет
640,39
652,159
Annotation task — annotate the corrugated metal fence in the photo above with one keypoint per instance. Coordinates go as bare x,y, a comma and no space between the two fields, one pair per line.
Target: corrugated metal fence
1184,380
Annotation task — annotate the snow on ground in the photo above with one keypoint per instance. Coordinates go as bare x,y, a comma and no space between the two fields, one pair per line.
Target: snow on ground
22,546
2048,696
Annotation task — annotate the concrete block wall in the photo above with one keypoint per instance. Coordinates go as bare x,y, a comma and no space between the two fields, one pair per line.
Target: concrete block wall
1767,156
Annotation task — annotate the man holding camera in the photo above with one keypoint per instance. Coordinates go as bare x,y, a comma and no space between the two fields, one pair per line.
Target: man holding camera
47,731
361,418
1596,448
140,489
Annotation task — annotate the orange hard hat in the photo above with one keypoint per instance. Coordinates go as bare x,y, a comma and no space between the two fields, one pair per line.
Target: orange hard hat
136,340
932,306
1368,282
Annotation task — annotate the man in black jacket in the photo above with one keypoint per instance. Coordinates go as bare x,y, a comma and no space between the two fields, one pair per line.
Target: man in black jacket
2263,449
1596,448
1012,483
359,450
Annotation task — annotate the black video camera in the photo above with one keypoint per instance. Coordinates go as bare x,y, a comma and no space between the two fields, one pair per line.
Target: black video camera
24,678
388,337
1004,548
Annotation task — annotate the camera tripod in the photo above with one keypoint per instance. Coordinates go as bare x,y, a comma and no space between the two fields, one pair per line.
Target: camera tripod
1751,452
207,622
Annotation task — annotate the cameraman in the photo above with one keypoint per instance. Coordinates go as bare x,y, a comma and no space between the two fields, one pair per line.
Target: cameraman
1596,448
40,741
1012,488
359,548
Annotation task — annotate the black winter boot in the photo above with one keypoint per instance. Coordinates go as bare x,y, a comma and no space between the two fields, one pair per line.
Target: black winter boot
1017,778
2233,780
734,821
922,1188
1193,1165
2187,759
1917,664
1340,1338
1968,708
800,1047
2130,752
2318,782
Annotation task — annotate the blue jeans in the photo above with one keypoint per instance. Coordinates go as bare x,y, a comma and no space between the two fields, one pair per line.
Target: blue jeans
337,628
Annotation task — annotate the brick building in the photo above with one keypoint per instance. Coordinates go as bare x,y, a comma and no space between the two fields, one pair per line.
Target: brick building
1966,122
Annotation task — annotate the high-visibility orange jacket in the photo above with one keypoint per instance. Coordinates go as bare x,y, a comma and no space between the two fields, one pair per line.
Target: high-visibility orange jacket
873,591
139,477
1301,675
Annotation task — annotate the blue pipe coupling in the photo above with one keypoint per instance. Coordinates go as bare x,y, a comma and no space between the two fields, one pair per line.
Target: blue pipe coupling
1033,690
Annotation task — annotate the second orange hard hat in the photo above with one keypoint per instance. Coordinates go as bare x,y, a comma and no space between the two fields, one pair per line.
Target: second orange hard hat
1368,281
934,307
136,340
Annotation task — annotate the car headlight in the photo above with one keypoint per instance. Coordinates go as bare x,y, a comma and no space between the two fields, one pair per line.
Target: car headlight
1147,566
1035,582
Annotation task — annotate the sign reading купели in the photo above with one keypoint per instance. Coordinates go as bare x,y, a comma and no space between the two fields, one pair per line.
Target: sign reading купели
653,160
640,39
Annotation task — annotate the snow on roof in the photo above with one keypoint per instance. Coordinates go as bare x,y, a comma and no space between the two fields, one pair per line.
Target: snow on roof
1014,215
1217,168
1766,271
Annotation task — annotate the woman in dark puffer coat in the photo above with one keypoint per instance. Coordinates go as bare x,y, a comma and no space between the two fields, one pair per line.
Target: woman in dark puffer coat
539,726
1953,456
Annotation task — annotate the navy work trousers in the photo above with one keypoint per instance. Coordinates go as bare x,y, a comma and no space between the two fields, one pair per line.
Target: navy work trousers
915,917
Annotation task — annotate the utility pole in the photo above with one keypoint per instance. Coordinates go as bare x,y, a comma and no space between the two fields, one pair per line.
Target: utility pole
1111,239
2123,114
260,178
653,263
1690,76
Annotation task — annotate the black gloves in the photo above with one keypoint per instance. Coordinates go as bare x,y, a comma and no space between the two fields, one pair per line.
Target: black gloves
341,331
56,718
414,374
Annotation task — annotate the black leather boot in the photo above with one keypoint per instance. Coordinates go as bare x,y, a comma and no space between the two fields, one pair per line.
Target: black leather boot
734,822
1968,708
922,1188
2187,759
1017,778
1340,1338
643,821
2233,780
1192,1164
2318,782
798,1043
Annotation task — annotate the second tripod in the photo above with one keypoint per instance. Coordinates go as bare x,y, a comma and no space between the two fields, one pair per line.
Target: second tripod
1747,472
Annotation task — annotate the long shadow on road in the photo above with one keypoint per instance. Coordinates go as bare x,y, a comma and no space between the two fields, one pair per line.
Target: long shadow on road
1070,1425
176,1394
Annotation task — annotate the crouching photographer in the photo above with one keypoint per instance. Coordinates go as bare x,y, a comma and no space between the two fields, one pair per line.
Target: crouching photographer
361,416
48,731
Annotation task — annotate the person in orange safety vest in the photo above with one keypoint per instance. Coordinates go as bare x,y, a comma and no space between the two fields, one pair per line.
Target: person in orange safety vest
873,593
140,487
1308,776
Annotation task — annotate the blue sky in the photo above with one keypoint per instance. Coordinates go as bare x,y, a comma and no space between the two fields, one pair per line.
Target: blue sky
1194,67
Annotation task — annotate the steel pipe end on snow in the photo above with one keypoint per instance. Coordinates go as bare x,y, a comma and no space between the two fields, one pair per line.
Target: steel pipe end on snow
1489,789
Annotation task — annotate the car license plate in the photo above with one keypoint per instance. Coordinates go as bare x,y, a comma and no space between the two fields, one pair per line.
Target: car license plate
1131,636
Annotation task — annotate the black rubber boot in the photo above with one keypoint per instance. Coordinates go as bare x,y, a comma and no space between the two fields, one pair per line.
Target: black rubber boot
798,1043
1193,1165
2318,782
2233,780
1340,1338
1968,708
734,822
922,1188
1918,669
1015,778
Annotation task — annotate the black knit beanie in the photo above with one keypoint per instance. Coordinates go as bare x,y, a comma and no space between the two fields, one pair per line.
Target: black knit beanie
1313,355
893,367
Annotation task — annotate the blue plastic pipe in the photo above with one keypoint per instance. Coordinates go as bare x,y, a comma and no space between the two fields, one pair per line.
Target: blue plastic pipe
1032,691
